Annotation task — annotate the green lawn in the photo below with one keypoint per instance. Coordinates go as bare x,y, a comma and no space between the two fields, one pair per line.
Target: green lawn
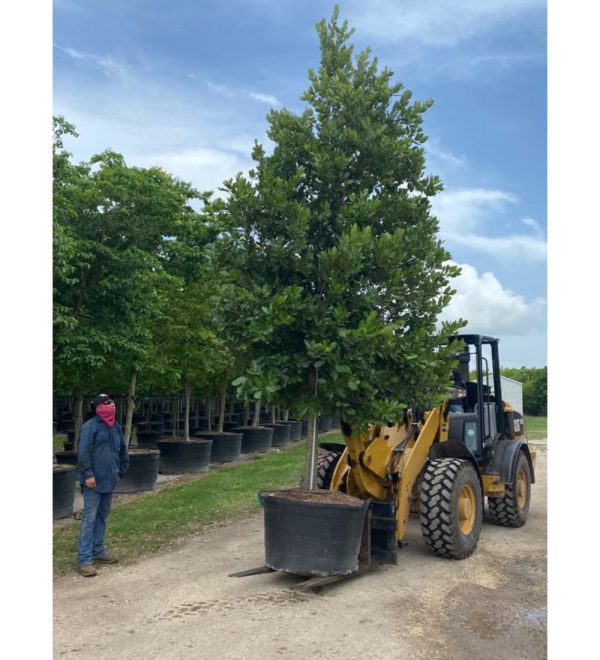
536,427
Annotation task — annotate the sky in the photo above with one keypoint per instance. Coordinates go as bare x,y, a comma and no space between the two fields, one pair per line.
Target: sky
186,85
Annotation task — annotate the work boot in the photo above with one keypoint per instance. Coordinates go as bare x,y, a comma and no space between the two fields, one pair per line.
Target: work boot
108,558
87,570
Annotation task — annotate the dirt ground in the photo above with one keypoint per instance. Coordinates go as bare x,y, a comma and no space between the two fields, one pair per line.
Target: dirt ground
181,604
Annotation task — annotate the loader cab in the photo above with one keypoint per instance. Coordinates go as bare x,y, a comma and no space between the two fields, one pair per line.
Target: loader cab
483,420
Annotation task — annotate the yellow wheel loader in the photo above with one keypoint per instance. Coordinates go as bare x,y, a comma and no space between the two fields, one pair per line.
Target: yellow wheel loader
440,464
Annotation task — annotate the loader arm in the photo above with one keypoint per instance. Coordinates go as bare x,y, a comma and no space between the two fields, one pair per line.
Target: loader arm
370,462
412,462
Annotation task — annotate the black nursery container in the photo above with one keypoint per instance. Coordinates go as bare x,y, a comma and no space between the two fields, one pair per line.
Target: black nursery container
324,423
180,457
255,439
312,533
281,434
63,490
226,447
148,439
295,430
142,473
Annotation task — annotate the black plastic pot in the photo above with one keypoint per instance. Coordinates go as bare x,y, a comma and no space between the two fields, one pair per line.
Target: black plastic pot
142,473
63,490
66,457
281,434
312,533
235,418
255,439
334,424
68,446
148,439
324,424
156,427
295,430
226,447
178,456
228,426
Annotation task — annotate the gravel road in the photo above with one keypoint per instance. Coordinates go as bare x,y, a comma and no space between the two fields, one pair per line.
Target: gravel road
181,604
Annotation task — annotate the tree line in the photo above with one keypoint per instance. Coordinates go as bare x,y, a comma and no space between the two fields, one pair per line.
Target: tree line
535,387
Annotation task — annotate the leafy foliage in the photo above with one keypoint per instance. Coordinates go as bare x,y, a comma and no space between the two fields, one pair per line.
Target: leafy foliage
535,387
335,225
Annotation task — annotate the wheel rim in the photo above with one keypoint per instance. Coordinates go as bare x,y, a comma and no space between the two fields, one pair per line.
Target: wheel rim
521,488
466,509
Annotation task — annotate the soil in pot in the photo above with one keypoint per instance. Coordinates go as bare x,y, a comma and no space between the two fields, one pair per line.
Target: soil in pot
226,447
312,532
179,457
281,433
142,473
63,489
255,439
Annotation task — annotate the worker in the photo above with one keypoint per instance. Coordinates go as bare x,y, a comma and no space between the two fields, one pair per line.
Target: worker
457,403
102,460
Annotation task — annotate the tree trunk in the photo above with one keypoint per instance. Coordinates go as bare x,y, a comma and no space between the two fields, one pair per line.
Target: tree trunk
286,414
77,420
209,409
308,481
174,416
273,415
186,420
129,415
222,405
256,420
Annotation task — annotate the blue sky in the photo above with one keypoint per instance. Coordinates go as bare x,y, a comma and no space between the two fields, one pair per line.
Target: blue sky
187,84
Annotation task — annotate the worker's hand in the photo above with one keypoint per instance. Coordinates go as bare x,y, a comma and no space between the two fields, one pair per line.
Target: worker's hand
90,482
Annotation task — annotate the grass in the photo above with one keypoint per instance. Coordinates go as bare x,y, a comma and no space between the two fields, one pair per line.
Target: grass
57,441
536,427
154,521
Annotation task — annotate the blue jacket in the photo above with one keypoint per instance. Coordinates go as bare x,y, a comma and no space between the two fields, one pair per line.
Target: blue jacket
102,453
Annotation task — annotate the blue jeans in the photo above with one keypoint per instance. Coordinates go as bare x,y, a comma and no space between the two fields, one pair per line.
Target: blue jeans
96,507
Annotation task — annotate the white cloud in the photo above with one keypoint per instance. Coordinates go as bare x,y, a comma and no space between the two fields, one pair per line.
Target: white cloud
466,214
492,309
264,98
436,22
231,93
462,210
108,65
440,161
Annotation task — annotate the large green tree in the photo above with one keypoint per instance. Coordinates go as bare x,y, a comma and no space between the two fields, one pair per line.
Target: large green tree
349,275
115,226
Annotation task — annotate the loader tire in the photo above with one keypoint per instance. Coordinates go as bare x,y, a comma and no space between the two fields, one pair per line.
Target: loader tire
451,507
326,463
512,509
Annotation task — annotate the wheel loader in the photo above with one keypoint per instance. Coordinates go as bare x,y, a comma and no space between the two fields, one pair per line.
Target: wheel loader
440,465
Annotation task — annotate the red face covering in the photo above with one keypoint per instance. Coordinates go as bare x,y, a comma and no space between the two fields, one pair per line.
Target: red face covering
106,411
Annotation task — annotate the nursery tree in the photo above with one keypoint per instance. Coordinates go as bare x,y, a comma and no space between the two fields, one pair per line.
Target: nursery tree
336,225
114,225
